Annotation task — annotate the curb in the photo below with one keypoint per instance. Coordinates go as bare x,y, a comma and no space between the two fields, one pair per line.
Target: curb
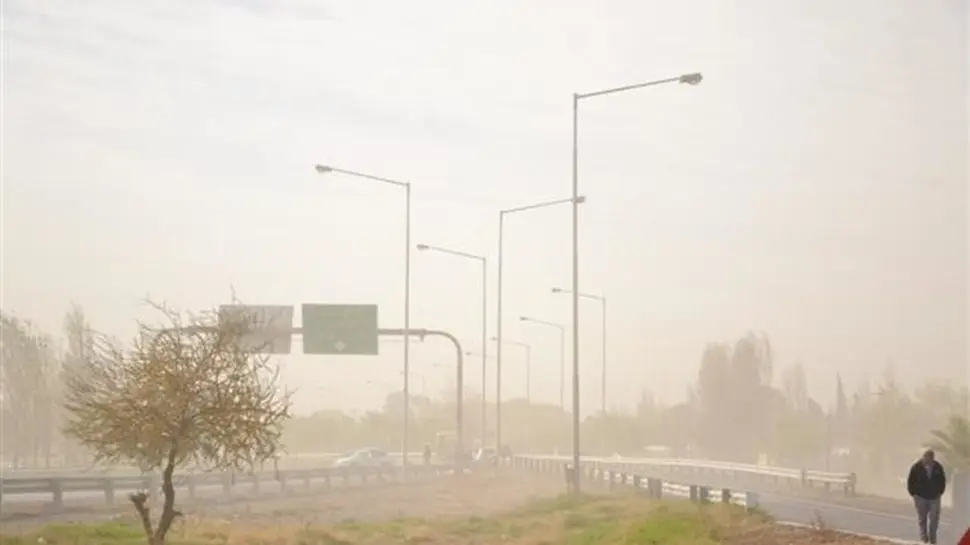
856,534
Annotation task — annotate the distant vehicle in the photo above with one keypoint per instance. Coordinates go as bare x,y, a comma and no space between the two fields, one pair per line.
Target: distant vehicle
485,455
367,457
658,451
445,444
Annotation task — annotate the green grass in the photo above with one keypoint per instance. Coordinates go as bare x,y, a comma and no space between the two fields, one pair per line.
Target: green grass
113,533
585,520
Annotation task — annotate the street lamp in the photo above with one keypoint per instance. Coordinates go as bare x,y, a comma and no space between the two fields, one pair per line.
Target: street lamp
562,355
689,79
528,367
484,262
323,169
576,200
602,302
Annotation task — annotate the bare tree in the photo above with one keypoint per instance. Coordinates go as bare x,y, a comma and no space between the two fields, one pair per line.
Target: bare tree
191,392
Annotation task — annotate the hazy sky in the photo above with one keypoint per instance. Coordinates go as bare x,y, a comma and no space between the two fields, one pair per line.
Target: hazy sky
813,187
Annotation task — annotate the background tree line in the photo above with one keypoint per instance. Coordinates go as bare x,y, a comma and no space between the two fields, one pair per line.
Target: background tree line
740,407
32,373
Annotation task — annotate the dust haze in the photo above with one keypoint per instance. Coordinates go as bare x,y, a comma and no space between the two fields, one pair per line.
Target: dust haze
773,264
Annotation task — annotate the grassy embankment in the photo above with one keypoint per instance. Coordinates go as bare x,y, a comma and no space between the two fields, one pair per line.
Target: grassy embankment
589,520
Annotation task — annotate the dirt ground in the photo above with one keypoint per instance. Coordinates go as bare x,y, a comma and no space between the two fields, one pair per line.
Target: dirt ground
476,494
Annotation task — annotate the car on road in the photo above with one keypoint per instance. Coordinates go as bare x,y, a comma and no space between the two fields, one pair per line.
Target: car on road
485,455
366,457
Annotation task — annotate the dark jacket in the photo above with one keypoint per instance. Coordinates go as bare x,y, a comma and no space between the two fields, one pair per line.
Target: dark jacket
923,485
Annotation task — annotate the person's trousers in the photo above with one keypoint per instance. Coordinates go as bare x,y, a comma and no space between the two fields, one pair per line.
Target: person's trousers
928,515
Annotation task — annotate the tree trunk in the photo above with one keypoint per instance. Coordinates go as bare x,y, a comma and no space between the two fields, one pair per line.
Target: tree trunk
140,500
169,513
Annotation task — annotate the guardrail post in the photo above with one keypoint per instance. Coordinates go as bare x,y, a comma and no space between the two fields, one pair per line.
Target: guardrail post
750,501
280,476
227,483
850,485
612,475
656,488
803,477
703,494
109,491
57,487
725,495
693,493
150,483
636,484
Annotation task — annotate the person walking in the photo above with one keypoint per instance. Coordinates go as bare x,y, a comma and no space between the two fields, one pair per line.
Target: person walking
926,484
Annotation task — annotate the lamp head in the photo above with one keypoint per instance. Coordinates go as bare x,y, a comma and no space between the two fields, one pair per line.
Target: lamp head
494,339
557,290
692,79
323,169
523,319
422,247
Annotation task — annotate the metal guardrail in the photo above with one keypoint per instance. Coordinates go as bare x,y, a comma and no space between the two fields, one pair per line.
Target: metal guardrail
59,487
731,472
652,486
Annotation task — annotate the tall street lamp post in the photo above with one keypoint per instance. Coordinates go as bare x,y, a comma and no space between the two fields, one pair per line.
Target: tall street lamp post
323,169
602,301
484,262
689,79
576,200
562,355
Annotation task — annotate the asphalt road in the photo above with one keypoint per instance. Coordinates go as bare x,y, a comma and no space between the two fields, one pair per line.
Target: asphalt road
851,519
799,510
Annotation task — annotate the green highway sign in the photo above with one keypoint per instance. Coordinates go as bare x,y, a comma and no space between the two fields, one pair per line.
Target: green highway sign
349,330
272,326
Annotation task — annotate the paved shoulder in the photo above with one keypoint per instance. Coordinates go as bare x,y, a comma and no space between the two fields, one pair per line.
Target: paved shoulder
850,519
